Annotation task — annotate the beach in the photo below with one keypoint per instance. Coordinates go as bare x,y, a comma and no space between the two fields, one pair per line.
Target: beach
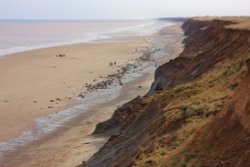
45,82
33,82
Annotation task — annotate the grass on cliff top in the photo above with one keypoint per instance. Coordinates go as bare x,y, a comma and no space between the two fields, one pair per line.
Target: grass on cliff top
240,23
192,103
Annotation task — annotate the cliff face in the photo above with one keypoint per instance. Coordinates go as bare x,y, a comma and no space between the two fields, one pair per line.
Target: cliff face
198,105
207,44
225,140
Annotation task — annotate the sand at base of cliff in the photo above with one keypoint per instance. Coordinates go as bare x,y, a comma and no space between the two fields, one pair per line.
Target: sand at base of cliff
38,83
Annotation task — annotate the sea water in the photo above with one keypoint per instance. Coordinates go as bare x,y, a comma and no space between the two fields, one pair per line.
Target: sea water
19,36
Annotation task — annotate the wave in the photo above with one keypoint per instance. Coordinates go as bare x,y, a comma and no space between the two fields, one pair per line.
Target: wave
88,38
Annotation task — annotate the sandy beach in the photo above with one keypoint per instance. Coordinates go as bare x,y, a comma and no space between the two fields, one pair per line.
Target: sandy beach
39,83
74,143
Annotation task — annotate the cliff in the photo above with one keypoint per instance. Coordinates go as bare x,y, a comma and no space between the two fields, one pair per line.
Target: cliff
225,140
197,111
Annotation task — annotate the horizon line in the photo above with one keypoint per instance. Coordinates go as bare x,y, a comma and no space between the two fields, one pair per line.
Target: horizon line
90,19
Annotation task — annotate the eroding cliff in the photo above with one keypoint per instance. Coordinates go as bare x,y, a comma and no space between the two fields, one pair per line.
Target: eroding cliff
207,43
197,111
225,140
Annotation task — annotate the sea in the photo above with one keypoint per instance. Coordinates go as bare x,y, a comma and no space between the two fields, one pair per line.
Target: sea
19,36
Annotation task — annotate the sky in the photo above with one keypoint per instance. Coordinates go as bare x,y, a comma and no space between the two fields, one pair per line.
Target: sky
119,9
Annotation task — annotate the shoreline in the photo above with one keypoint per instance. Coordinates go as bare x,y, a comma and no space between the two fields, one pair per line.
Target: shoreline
119,75
111,32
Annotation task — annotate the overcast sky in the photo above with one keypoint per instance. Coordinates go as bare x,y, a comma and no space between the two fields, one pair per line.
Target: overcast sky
119,9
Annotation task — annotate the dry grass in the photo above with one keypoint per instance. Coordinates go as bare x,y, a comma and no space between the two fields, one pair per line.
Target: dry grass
241,23
194,103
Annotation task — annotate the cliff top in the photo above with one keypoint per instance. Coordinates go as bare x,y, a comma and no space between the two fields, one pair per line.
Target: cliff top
240,23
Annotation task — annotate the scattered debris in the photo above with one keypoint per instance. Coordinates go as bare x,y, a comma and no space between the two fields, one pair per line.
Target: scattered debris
87,143
61,55
58,99
81,95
